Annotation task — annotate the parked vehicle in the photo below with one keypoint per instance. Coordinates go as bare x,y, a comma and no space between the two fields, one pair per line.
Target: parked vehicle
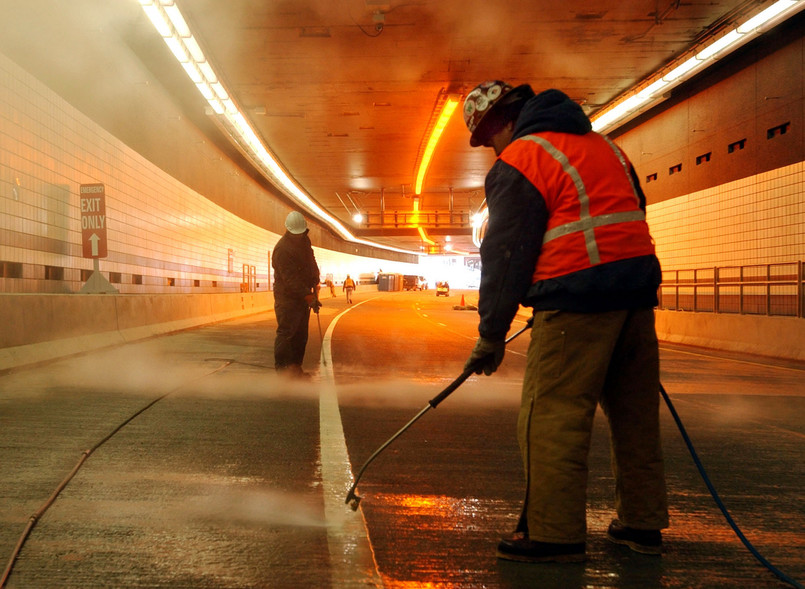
411,282
367,278
442,288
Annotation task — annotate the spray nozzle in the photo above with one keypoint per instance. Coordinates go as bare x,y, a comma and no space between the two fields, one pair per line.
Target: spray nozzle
353,500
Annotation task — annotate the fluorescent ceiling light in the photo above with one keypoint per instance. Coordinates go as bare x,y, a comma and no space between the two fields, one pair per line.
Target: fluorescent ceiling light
220,90
177,20
479,220
193,48
156,17
724,42
206,69
178,49
168,21
192,71
767,17
683,70
626,108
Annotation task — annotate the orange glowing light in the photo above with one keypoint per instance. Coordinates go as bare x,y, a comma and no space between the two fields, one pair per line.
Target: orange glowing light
447,111
415,216
424,236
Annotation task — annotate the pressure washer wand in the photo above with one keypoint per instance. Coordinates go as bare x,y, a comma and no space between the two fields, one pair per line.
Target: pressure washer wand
316,307
352,498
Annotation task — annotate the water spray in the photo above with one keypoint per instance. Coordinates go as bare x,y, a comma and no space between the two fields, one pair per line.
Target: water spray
353,499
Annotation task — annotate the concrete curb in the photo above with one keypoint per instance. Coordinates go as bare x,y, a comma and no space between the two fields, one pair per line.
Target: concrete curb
43,327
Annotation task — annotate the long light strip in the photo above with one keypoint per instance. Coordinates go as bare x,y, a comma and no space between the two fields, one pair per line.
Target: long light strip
479,221
726,44
424,236
630,106
168,21
444,117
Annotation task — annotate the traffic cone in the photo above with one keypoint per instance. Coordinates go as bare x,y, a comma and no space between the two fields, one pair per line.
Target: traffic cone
462,302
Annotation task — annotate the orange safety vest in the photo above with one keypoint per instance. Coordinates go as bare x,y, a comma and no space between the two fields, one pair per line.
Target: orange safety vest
594,213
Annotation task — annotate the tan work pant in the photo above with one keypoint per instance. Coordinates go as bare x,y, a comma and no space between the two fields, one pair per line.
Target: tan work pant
576,361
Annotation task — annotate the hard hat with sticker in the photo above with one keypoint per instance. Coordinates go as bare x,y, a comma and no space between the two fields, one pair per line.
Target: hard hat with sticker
481,99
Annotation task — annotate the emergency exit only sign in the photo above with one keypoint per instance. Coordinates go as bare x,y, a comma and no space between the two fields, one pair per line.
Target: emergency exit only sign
93,220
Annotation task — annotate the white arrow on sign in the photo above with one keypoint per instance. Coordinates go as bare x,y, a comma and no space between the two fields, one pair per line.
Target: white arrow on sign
94,239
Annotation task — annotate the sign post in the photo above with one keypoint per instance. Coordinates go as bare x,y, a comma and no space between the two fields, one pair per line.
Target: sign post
92,201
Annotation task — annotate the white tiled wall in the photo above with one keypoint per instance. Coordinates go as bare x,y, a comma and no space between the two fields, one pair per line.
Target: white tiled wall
161,229
756,220
157,227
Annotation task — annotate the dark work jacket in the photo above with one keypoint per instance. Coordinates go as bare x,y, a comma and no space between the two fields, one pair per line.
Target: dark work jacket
296,273
518,217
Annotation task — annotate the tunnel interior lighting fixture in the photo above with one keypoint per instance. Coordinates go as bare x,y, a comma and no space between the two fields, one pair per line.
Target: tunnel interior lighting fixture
445,107
479,222
169,23
415,208
424,236
693,63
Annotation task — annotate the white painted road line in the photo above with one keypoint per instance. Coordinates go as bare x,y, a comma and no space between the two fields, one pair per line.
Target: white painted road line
352,560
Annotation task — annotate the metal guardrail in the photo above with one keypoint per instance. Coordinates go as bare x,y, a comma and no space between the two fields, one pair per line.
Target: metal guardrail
762,289
427,219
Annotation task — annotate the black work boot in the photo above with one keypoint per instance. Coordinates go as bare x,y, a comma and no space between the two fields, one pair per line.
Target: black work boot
643,541
519,548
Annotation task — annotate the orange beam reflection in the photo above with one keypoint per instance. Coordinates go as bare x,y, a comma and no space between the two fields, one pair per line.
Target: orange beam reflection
447,111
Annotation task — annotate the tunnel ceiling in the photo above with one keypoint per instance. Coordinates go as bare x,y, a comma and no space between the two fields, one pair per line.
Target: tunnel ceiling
343,90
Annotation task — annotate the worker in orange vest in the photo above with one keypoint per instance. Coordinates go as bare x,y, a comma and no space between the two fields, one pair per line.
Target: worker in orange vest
567,236
348,287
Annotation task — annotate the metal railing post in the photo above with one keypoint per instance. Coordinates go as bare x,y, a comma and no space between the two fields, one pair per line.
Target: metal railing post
716,291
676,290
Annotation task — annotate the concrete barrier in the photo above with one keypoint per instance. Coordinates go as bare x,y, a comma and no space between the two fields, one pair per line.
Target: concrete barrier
40,327
778,337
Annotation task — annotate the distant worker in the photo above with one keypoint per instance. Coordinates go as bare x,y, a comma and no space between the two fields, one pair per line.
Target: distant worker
329,284
349,286
296,287
567,236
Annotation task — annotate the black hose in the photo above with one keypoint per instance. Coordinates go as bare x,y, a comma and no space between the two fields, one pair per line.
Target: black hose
86,454
780,574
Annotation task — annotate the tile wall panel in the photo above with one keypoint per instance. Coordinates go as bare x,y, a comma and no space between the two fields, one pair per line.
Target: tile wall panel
755,220
158,228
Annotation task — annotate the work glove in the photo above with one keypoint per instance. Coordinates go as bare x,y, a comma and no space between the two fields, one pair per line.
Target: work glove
313,302
486,356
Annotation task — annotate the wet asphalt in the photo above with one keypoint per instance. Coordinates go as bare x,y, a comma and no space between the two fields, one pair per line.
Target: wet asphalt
196,465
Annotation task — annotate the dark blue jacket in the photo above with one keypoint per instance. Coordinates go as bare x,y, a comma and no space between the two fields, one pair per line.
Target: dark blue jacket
296,273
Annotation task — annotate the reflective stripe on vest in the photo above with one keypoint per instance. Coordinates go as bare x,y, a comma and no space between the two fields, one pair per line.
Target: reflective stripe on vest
586,223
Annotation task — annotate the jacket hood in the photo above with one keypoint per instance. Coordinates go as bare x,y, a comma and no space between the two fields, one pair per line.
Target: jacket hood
551,110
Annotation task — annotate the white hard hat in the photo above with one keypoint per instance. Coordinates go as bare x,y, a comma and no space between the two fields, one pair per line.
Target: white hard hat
295,223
